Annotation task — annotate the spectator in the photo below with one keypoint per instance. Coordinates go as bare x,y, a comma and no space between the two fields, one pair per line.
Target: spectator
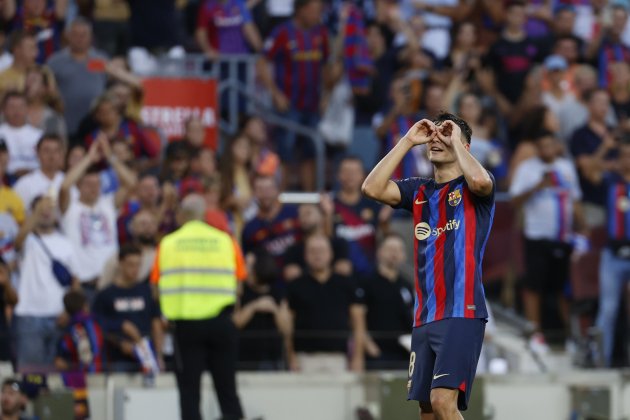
226,27
8,234
385,61
575,114
275,227
45,21
8,300
262,316
40,292
389,302
562,24
20,137
614,262
394,124
144,234
90,221
547,189
80,72
620,93
608,47
44,107
313,221
111,26
326,308
465,55
297,97
236,189
47,179
514,54
81,348
438,16
13,400
10,201
111,122
159,201
567,47
264,161
215,215
482,146
594,142
128,313
356,218
24,49
558,96
153,24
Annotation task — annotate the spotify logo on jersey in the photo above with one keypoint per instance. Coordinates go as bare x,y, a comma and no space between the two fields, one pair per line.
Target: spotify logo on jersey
422,231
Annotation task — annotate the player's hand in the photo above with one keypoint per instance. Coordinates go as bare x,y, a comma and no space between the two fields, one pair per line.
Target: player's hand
449,132
421,132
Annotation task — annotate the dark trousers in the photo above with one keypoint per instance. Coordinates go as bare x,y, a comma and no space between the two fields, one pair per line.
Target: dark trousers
207,344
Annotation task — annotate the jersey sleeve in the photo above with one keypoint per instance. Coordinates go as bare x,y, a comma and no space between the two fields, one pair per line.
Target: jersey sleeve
203,17
490,197
408,189
247,17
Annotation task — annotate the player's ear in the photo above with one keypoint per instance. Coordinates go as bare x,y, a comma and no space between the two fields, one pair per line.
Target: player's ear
466,145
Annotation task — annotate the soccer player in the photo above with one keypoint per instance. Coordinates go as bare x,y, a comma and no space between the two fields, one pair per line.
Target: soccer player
452,217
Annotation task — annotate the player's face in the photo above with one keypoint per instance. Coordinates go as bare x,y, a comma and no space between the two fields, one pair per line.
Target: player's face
439,153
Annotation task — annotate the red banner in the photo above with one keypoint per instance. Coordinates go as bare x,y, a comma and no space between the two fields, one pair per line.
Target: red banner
169,103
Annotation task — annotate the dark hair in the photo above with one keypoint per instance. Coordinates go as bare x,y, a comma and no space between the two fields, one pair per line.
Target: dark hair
128,249
265,268
588,95
48,137
12,94
544,133
36,201
226,166
463,125
74,302
298,4
515,3
3,262
532,122
13,383
92,170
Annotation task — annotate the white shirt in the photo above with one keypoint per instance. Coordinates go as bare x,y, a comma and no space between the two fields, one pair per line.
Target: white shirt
21,143
36,183
8,232
549,212
39,291
92,231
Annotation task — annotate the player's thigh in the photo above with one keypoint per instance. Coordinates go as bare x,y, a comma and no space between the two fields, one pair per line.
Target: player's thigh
421,363
457,345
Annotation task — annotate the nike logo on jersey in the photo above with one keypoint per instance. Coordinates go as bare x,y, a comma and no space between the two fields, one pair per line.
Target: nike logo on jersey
418,202
439,376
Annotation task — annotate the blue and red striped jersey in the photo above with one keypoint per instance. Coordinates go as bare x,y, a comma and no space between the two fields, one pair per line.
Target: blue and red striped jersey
610,52
357,224
224,22
47,29
618,209
275,236
299,56
451,228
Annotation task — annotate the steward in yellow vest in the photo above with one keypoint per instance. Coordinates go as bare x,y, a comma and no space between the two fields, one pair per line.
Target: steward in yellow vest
196,270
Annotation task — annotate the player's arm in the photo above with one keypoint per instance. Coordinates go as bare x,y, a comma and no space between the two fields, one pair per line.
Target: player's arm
477,177
378,184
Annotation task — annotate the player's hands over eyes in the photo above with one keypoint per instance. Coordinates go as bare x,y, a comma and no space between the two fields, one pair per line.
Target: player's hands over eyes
449,131
421,132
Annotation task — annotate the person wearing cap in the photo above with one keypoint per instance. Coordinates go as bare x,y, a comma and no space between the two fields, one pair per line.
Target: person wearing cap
197,270
558,95
12,401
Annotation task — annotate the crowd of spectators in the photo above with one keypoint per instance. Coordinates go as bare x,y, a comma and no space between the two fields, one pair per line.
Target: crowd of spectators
86,193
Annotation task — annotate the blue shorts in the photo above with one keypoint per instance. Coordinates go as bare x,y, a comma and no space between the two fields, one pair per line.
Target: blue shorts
444,354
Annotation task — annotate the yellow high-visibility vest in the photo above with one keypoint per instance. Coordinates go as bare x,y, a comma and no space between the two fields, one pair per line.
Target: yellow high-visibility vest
197,272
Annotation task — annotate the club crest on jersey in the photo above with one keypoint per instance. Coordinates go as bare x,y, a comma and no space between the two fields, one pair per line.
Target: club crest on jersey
454,198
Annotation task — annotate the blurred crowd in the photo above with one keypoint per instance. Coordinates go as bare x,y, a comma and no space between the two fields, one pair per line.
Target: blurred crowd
88,189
